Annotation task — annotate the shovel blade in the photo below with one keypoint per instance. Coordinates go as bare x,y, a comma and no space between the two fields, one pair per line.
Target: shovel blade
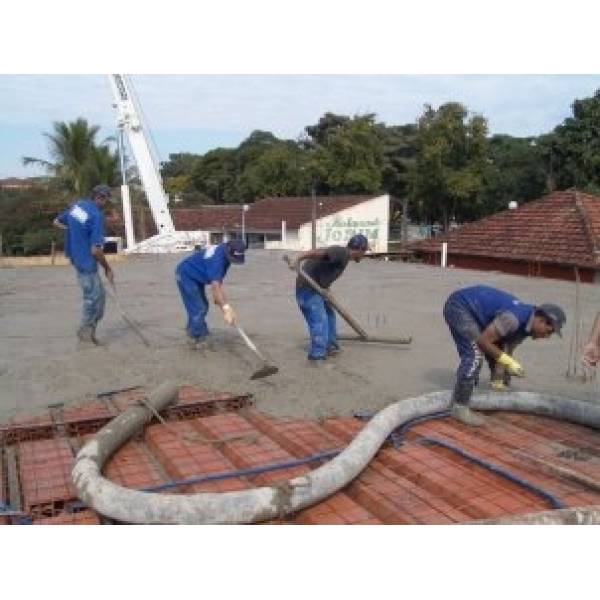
264,371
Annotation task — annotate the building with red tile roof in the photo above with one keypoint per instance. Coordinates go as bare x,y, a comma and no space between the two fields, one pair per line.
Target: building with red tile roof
282,222
550,237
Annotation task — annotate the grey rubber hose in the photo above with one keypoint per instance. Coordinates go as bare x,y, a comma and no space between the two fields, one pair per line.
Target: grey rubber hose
259,504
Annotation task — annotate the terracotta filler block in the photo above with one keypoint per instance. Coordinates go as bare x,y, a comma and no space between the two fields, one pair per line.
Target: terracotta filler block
132,466
183,454
258,448
207,433
3,487
497,454
547,444
45,474
412,502
84,517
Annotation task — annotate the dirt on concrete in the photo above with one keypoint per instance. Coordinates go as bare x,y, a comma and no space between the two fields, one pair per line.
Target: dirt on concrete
41,361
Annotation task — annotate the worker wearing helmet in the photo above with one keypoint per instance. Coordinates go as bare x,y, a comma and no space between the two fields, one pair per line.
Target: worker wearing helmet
487,321
324,265
206,267
83,223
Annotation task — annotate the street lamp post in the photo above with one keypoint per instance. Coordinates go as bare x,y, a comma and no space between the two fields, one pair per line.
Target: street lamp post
245,207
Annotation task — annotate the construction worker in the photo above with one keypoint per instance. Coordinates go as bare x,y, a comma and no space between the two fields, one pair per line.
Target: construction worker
591,351
83,223
324,265
485,320
206,267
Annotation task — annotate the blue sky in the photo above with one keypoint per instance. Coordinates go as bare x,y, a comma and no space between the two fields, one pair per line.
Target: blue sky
195,113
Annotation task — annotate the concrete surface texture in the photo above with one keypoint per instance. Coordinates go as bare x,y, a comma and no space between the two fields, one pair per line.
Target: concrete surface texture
41,361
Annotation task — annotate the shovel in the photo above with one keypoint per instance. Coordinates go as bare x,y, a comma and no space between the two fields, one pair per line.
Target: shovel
112,292
267,368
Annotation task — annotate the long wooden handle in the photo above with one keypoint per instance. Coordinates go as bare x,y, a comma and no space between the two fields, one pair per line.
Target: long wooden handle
249,343
133,326
329,297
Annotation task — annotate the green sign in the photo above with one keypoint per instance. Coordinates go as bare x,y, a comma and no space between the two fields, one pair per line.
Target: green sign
341,229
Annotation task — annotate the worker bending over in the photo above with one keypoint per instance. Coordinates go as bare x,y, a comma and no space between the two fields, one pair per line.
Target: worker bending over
83,223
206,267
324,265
485,320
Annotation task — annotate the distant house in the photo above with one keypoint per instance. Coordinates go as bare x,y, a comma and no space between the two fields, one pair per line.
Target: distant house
549,237
14,183
285,222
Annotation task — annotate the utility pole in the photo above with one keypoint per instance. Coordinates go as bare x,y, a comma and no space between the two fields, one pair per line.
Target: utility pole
314,216
404,223
245,207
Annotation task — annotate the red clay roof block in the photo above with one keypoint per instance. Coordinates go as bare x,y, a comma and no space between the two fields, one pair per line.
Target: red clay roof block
418,483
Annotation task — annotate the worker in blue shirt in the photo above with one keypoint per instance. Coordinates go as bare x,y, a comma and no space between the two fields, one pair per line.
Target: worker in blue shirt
486,321
206,267
83,223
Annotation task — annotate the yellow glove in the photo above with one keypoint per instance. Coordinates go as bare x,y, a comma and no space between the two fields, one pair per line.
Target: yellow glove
228,314
514,368
498,385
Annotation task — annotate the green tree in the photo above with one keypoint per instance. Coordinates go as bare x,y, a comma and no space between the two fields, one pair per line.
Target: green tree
214,175
571,153
515,172
400,154
279,171
350,160
448,174
180,163
328,124
78,162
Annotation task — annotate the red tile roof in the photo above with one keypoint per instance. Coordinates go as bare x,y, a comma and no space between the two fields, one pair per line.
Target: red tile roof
416,483
560,228
210,217
262,215
268,213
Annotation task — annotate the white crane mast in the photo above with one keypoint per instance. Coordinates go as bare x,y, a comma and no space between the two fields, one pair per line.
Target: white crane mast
129,122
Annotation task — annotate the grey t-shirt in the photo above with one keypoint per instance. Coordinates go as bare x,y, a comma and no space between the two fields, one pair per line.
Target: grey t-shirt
506,323
327,269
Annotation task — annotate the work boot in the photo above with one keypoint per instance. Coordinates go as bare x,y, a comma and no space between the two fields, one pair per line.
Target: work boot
86,334
465,415
333,350
198,343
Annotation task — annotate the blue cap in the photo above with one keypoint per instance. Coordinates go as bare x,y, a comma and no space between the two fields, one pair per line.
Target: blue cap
358,242
101,190
236,251
555,314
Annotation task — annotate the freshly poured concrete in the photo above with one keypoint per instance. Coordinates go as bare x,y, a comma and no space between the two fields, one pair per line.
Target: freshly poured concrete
41,361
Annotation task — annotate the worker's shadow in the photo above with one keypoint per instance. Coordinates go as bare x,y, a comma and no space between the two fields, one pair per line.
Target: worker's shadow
442,378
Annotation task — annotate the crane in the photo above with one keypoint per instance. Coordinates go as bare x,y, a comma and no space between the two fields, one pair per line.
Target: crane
129,123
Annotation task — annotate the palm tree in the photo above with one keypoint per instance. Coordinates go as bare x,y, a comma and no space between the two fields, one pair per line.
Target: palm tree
104,166
78,162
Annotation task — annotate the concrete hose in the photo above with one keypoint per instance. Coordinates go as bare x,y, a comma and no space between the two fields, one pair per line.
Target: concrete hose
265,503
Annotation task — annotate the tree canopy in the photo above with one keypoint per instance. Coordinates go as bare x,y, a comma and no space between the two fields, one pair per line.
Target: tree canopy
445,164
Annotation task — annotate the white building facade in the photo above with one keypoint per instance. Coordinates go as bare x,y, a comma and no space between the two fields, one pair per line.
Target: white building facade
370,217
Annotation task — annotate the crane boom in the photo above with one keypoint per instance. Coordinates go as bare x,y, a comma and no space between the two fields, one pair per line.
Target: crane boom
130,123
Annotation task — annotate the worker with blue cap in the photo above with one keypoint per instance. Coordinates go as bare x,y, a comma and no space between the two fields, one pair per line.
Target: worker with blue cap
83,223
324,265
206,267
485,321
